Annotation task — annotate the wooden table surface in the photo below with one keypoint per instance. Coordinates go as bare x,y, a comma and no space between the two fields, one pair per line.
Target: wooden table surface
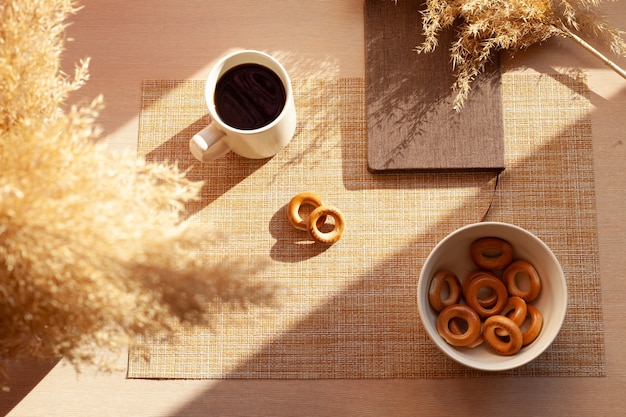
129,41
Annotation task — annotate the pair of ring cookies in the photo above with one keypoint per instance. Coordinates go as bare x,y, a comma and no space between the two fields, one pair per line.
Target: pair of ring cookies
313,224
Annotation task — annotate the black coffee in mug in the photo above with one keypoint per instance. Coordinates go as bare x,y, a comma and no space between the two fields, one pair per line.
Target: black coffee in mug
249,96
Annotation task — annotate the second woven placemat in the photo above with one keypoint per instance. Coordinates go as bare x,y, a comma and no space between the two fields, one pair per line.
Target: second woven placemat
350,310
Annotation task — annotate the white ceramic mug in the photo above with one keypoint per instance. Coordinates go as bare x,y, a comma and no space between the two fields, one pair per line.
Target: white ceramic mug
255,142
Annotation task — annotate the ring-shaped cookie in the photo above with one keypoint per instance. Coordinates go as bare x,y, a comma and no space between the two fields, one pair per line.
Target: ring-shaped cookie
457,328
536,322
516,310
510,279
437,284
326,237
503,346
472,294
491,253
293,208
460,312
488,301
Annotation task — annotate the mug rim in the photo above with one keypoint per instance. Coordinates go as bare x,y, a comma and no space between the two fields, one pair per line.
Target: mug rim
220,68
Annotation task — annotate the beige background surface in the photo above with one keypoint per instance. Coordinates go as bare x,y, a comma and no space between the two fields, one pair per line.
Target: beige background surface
133,41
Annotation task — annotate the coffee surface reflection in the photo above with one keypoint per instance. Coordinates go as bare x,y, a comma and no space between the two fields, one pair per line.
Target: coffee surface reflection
249,96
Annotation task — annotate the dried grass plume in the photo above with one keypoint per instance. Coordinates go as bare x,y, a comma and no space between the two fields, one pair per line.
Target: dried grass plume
94,248
485,27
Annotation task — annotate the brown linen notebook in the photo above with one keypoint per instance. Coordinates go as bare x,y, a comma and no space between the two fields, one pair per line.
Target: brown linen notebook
411,124
350,310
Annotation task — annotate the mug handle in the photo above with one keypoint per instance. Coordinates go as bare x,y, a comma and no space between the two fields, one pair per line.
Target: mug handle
207,144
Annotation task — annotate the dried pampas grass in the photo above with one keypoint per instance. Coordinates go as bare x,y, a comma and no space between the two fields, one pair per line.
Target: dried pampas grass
93,246
485,27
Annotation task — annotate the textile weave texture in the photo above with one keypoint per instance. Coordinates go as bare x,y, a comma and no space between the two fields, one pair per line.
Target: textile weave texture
350,310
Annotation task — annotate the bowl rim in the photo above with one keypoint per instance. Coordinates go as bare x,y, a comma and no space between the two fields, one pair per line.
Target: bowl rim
452,352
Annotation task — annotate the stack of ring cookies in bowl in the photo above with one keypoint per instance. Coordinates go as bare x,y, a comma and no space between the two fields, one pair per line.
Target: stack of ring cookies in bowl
495,306
492,296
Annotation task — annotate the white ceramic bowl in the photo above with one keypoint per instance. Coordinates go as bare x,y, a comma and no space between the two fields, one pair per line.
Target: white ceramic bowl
452,253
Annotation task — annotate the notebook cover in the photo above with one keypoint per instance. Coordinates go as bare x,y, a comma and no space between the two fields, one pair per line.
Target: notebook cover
411,122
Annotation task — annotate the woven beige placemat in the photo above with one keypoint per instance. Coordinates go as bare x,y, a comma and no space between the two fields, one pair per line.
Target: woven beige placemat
350,310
